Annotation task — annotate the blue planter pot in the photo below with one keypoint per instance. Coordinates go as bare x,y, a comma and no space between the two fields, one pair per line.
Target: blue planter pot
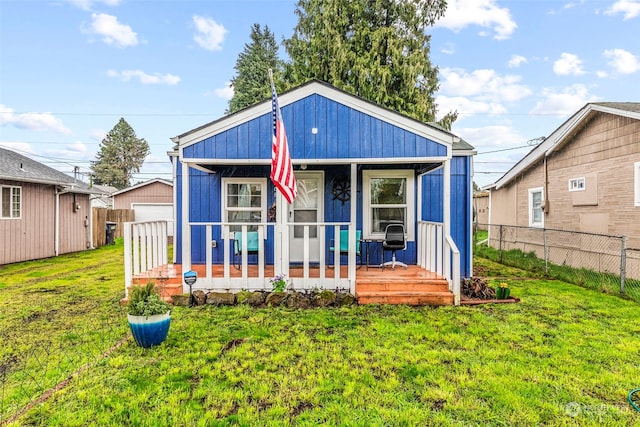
150,331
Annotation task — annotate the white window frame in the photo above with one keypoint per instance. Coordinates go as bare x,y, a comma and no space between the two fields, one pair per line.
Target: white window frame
263,198
409,176
532,191
577,184
12,190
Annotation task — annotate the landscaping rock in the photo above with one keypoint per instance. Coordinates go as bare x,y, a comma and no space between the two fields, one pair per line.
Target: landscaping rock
325,298
344,298
276,298
180,300
199,297
298,300
254,299
221,298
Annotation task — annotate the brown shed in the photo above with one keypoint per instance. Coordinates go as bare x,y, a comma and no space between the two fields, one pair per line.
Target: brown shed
151,200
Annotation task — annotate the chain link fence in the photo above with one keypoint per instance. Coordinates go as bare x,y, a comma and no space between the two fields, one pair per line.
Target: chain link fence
31,371
596,261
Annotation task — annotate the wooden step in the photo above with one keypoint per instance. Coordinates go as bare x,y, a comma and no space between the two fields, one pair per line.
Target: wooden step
402,286
407,298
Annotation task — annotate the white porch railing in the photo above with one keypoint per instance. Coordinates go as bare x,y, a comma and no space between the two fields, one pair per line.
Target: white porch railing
439,253
227,281
145,248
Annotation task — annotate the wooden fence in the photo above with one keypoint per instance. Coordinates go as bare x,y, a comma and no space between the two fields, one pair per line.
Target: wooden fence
100,218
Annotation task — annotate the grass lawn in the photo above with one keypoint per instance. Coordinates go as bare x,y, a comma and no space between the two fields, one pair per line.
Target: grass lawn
562,356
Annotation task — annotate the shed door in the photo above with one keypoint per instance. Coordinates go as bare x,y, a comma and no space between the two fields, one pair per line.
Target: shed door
307,207
155,212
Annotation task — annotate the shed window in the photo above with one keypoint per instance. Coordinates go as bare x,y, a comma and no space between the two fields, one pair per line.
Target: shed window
11,202
536,201
244,200
388,198
577,184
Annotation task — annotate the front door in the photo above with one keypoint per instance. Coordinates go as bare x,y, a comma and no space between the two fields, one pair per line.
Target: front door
307,207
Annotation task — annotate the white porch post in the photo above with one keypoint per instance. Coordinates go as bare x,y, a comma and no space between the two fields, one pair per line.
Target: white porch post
186,229
352,229
446,211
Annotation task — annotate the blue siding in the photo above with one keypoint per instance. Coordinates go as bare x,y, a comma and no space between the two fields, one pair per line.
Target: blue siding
342,133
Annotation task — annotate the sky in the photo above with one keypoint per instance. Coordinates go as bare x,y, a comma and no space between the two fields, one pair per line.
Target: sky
513,70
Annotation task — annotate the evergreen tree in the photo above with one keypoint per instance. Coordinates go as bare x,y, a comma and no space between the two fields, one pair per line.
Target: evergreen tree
375,49
121,155
251,83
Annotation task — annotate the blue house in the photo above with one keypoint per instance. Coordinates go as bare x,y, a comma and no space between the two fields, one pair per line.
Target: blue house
359,168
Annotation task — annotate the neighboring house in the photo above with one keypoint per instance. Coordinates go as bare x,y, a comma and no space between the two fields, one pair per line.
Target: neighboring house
584,177
105,197
44,213
151,200
358,167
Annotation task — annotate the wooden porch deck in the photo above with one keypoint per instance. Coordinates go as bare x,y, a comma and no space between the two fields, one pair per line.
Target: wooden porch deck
410,286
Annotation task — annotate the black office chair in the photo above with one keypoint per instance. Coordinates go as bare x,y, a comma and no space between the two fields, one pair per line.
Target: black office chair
394,241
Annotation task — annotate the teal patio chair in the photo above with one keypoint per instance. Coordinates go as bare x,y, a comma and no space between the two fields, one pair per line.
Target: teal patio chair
252,246
344,245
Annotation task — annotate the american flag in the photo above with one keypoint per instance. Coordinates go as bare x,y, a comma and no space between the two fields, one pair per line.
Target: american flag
281,167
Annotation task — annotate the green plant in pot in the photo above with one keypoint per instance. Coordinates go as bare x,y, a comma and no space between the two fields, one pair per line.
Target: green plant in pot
148,314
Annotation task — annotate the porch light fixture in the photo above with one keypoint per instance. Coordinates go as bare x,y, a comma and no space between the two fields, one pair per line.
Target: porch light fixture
314,130
303,166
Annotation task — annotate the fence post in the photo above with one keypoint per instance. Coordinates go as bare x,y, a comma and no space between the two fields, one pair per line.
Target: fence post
623,263
500,244
546,253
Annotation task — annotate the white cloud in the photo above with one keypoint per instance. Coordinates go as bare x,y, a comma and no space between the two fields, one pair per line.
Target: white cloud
74,151
516,61
209,34
485,13
565,102
19,147
144,78
448,49
630,9
568,64
491,137
88,4
225,92
622,61
97,134
485,85
466,107
45,122
602,74
112,31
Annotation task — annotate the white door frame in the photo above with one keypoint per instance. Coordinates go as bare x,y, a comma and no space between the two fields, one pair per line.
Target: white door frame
296,243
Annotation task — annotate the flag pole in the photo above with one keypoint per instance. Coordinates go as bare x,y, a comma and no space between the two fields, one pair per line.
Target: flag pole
281,255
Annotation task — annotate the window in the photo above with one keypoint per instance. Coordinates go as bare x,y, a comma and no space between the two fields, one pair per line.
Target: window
577,184
636,181
536,201
388,198
11,202
244,200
